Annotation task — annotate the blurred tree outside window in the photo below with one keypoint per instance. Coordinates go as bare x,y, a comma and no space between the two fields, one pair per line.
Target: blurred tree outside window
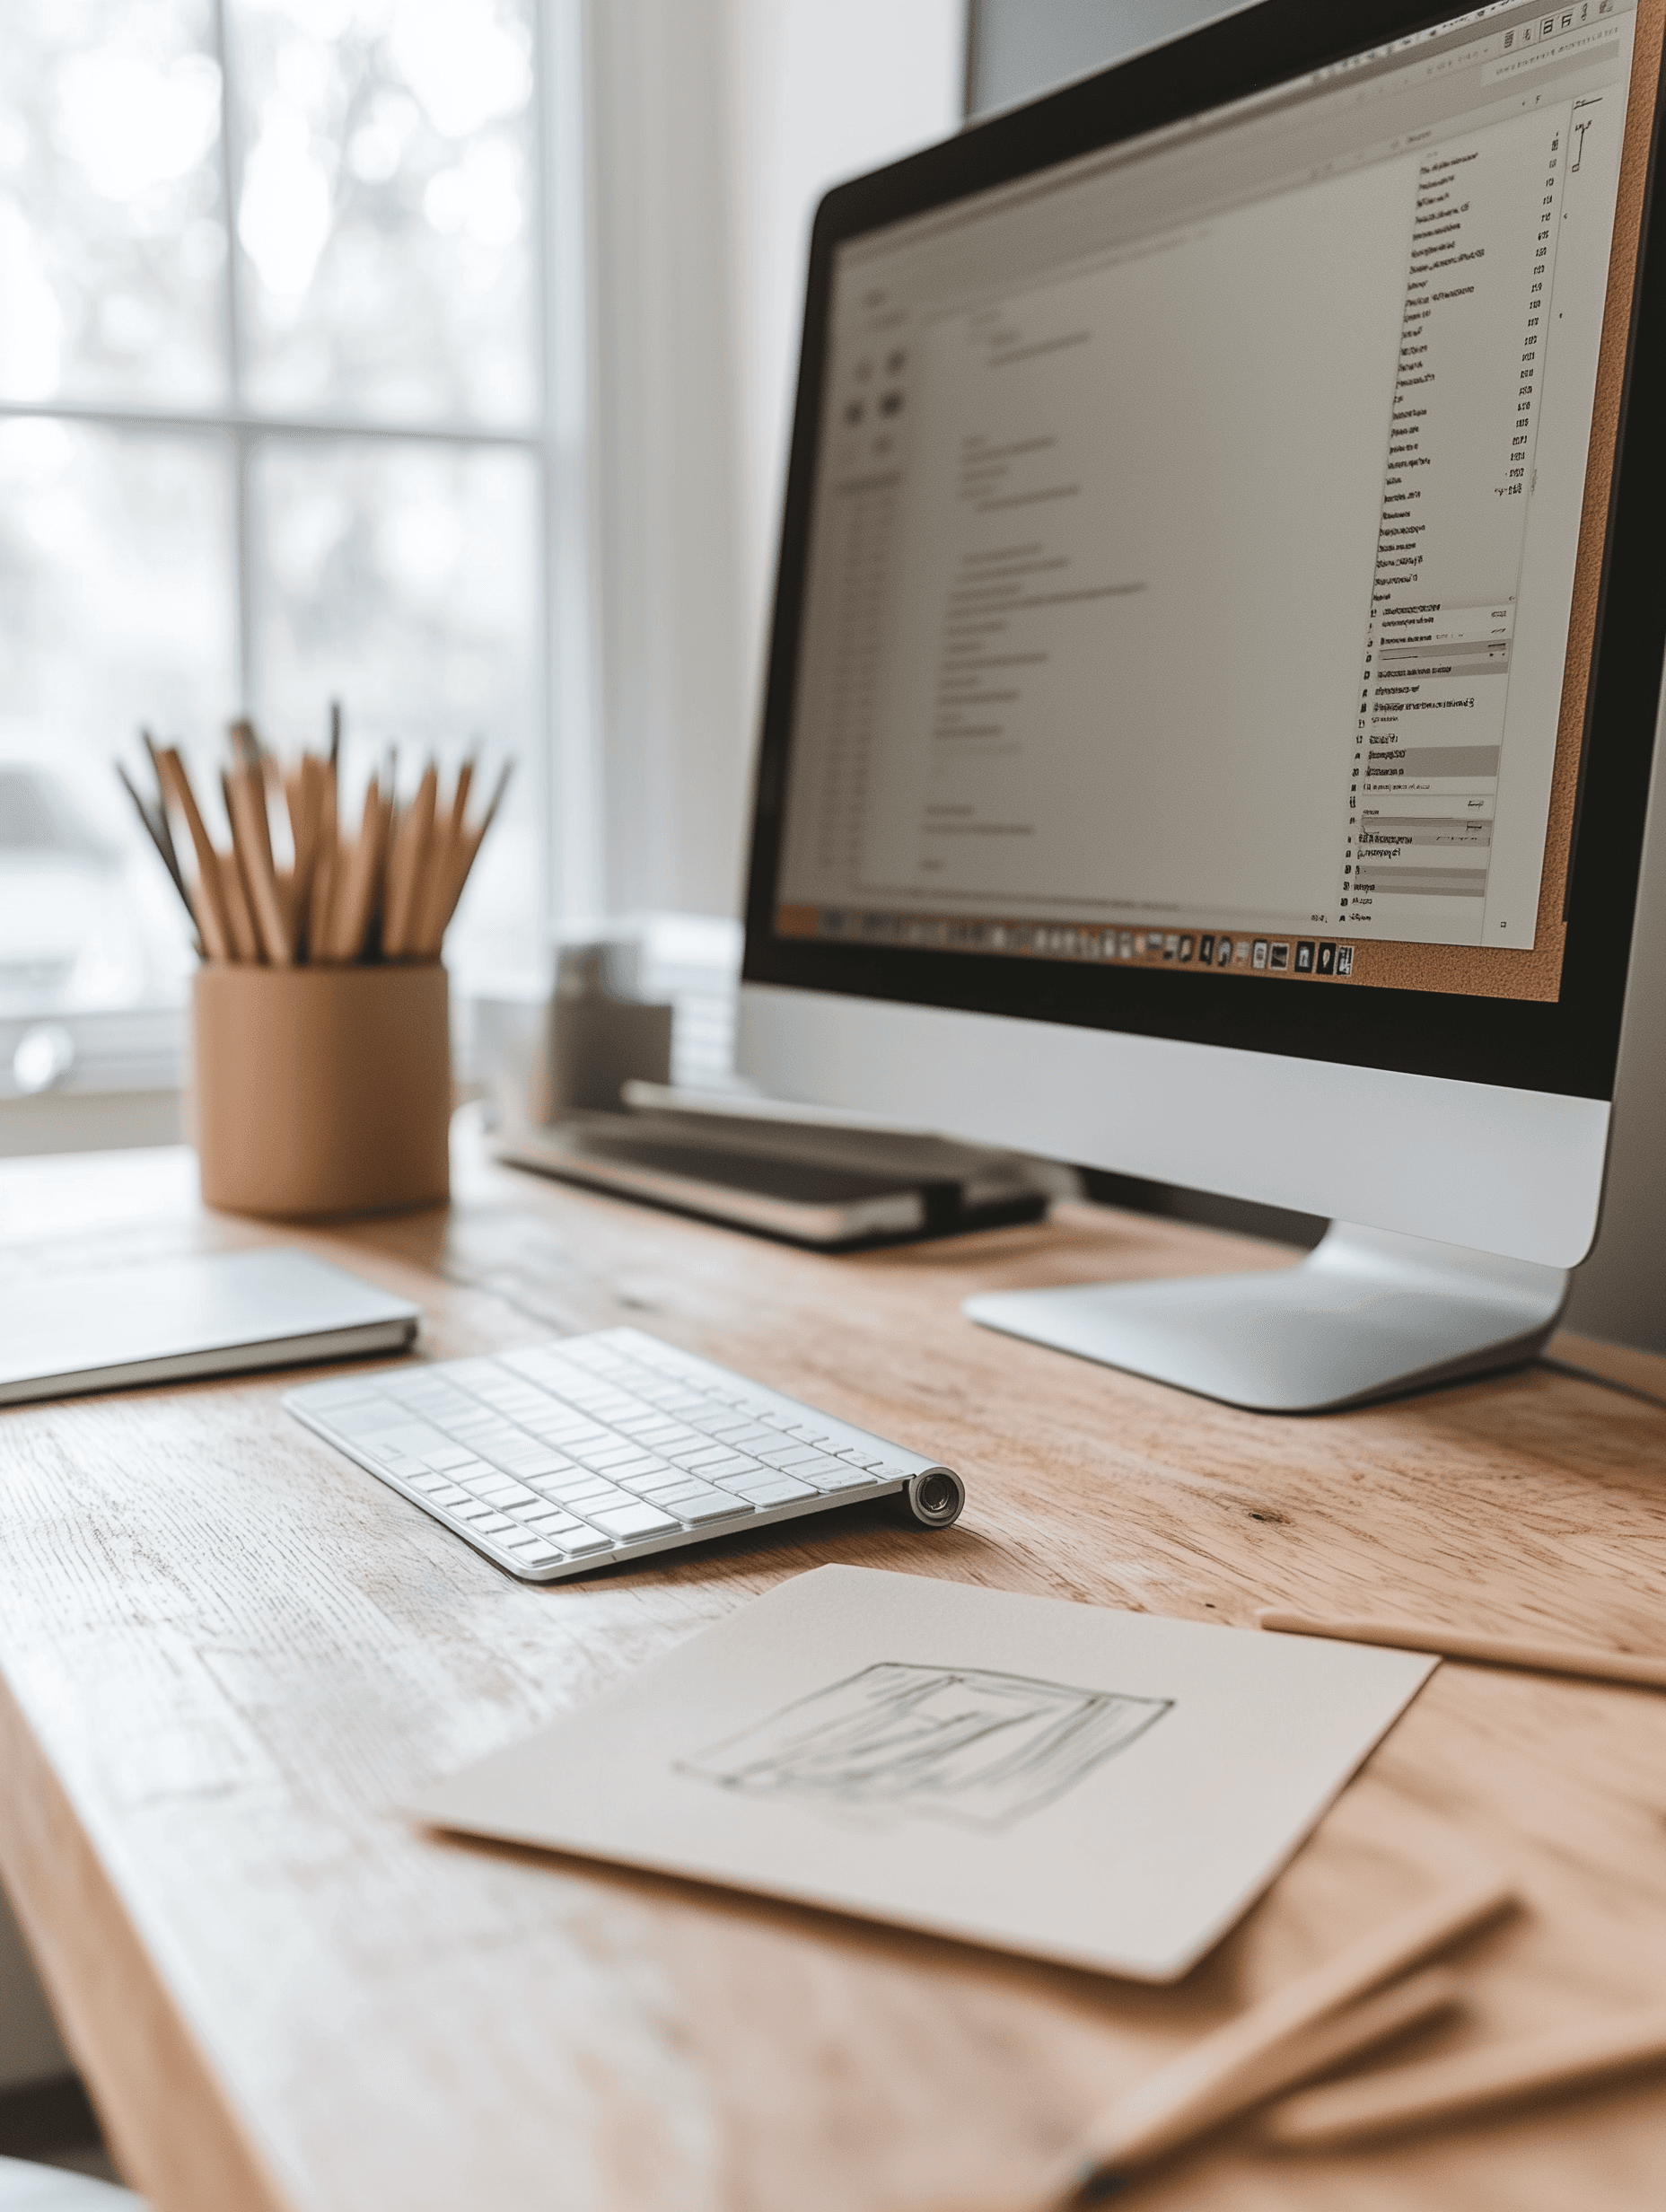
271,432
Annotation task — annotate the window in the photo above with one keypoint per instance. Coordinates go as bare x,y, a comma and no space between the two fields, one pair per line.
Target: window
272,431
431,354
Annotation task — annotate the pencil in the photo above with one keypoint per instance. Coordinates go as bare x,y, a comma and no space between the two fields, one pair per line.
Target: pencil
155,828
325,869
1263,2049
1358,2028
356,873
1471,2081
163,825
1587,1661
463,859
303,795
407,863
1342,2036
209,905
245,937
245,803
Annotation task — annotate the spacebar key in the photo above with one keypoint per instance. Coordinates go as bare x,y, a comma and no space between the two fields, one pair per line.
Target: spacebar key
632,1520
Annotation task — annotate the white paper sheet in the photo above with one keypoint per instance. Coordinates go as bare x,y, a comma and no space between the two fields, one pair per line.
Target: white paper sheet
1104,1788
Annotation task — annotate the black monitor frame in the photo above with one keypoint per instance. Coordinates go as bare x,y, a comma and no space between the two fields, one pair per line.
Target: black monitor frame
1568,1047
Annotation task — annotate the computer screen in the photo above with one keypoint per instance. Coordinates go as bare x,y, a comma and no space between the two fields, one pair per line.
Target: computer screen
1216,661
1200,542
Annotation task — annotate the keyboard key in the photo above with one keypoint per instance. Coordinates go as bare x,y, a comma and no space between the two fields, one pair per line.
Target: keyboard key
583,1542
364,1418
645,1478
603,1458
640,1463
448,1455
731,1463
781,1492
493,1525
836,1476
708,1505
823,1463
335,1397
781,1454
534,1555
400,1462
412,1436
568,1493
633,1518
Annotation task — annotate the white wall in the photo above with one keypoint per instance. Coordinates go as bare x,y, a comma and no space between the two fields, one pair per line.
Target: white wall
819,90
716,125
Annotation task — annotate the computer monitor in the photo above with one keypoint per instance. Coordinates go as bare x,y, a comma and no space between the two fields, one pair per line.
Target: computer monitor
1216,662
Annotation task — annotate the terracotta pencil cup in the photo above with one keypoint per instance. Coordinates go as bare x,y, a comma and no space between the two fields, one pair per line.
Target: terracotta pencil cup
322,1090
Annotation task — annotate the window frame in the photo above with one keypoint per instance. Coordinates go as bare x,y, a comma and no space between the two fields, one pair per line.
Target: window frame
560,781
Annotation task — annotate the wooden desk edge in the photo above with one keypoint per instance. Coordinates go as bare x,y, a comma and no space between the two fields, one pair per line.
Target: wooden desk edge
140,2061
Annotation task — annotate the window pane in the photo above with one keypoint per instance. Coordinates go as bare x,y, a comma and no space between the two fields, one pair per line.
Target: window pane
403,579
115,609
113,240
385,207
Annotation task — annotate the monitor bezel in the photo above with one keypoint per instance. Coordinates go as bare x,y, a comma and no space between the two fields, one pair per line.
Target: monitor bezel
1569,1045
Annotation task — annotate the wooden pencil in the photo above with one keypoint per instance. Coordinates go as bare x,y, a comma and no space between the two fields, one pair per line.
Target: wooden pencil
213,922
1253,2056
1358,2028
1439,2090
155,822
357,873
245,937
170,850
464,859
252,841
407,865
1587,1661
303,795
322,889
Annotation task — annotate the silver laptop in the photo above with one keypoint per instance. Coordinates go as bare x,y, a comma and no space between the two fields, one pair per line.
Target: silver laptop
208,1313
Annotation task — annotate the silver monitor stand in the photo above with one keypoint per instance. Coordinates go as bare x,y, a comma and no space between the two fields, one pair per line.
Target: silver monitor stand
1366,1314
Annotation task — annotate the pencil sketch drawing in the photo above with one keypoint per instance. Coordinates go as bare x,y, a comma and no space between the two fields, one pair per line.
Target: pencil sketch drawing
953,1743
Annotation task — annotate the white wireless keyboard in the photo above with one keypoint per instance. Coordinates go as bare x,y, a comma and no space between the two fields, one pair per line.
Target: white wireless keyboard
588,1450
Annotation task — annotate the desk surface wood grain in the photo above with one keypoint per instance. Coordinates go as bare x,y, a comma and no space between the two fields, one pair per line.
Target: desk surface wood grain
225,1654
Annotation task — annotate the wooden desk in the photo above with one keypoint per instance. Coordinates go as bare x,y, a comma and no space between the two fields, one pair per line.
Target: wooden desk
224,1653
